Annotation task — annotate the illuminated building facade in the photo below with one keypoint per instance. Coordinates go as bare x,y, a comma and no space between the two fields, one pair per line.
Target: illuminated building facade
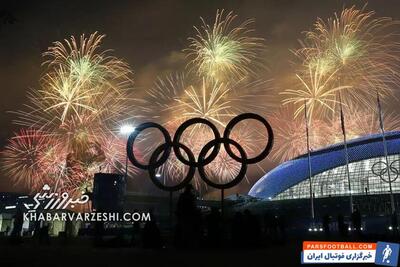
367,167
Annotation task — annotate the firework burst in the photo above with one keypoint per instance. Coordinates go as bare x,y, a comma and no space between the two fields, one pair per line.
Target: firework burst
317,90
360,49
83,97
178,98
362,122
290,135
223,168
30,155
224,52
87,65
209,100
115,155
79,83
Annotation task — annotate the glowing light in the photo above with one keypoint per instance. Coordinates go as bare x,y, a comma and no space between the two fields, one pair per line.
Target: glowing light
28,157
82,98
317,89
290,135
79,82
126,129
360,51
224,52
177,98
361,122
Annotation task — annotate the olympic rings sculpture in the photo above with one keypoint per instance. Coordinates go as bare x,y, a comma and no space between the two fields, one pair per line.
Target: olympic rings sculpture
382,171
162,152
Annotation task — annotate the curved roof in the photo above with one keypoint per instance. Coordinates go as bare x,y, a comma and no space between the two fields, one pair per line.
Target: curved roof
294,171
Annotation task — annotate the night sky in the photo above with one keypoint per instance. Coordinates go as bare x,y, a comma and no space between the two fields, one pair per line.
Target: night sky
149,35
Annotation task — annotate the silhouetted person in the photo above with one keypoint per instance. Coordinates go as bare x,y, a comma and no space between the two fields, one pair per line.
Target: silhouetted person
17,226
36,230
151,234
214,228
246,227
188,230
342,227
268,227
394,223
251,229
44,237
238,229
7,231
98,232
326,220
356,221
274,227
186,206
282,227
135,233
69,229
255,230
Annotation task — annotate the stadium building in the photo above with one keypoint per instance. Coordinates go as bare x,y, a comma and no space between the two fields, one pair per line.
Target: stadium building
367,167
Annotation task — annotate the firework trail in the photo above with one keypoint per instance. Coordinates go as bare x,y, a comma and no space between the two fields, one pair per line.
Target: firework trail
290,135
30,155
114,149
83,97
222,51
178,98
362,122
361,52
317,88
78,82
223,168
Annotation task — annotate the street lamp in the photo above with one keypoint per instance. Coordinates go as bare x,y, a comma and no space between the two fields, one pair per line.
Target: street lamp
126,130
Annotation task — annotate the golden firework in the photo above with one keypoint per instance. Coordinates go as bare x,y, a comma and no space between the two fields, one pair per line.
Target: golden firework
83,97
290,135
360,49
223,52
317,89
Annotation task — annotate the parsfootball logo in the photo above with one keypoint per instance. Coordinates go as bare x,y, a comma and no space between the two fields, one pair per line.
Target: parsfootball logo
380,253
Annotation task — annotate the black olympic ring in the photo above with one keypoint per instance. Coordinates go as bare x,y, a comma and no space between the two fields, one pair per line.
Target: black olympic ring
179,133
383,171
204,158
238,119
134,135
185,181
243,168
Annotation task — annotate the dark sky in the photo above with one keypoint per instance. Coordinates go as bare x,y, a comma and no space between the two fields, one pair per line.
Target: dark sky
149,35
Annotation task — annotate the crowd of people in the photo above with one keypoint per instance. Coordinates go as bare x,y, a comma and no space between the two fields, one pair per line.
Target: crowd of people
194,228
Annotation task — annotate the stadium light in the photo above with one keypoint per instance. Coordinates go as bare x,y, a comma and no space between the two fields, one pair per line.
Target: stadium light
126,129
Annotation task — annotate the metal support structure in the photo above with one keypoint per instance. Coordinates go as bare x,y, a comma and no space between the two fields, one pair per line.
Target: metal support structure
309,163
222,203
346,153
392,204
171,208
126,167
